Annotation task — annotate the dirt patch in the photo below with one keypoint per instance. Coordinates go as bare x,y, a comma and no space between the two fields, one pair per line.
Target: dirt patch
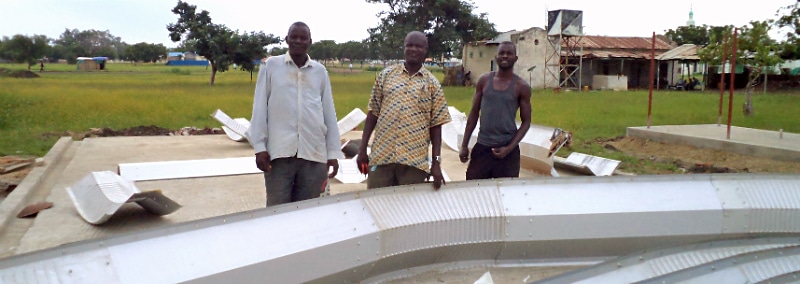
18,73
150,130
690,159
10,180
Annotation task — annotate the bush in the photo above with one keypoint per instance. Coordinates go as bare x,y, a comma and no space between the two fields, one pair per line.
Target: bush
179,71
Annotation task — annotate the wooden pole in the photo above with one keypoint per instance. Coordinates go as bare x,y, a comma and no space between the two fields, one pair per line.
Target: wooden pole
652,71
722,77
733,77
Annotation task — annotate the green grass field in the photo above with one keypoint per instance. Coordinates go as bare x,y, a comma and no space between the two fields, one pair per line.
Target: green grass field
35,112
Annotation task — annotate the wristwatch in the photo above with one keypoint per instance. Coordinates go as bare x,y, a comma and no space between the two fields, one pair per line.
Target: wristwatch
437,159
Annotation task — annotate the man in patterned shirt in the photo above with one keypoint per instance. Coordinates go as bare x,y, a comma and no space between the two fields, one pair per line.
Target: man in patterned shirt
407,110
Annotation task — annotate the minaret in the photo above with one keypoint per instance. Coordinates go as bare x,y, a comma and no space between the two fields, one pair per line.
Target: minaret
690,22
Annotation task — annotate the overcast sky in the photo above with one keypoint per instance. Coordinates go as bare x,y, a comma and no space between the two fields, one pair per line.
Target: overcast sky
344,20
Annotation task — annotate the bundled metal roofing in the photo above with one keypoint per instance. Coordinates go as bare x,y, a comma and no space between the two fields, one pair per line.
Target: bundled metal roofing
377,235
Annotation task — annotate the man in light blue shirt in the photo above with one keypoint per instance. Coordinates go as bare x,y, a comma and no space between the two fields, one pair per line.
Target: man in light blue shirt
293,128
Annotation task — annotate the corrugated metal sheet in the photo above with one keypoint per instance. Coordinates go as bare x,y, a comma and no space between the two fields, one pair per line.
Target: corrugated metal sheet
683,52
612,42
366,236
620,47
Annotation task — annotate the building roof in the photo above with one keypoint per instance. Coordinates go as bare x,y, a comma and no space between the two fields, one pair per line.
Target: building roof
506,36
683,52
622,47
615,42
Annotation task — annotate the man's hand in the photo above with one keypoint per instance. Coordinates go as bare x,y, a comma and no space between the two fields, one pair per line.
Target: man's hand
463,154
363,162
335,164
262,161
501,152
436,172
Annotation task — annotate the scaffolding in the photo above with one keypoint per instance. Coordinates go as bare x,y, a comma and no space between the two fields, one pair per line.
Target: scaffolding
563,59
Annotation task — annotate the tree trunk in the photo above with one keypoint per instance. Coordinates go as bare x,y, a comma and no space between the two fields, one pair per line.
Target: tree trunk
747,108
213,74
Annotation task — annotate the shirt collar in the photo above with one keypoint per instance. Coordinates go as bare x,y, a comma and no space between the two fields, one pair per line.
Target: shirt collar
288,59
420,72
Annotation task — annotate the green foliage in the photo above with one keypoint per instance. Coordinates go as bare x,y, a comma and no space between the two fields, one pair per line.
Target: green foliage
24,49
145,52
697,35
74,43
221,46
448,24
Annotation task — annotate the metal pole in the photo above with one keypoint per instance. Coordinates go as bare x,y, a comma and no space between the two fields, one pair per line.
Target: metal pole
652,70
722,78
733,77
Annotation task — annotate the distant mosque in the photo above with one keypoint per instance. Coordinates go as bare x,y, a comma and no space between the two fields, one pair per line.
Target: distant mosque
690,22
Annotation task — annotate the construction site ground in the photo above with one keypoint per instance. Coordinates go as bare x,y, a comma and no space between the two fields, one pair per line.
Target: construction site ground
70,160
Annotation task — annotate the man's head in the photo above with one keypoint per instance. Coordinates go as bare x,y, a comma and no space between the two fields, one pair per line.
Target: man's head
506,55
298,39
415,48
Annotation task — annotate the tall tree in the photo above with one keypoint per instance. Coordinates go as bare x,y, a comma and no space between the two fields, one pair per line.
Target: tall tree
220,45
789,16
448,24
697,35
24,49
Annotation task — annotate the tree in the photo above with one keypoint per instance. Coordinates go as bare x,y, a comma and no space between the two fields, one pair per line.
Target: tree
353,50
696,35
323,50
74,43
220,45
24,49
275,51
145,52
448,24
791,19
758,51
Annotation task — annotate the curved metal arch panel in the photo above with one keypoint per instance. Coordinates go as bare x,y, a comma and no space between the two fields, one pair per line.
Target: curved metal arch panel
370,235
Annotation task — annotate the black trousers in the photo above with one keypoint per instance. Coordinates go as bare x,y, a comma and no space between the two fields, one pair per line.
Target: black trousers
484,165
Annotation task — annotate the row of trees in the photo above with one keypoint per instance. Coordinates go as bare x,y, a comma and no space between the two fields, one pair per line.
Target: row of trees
754,47
448,24
74,43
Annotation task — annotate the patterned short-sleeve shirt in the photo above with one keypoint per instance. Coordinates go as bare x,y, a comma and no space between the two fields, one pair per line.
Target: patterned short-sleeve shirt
407,106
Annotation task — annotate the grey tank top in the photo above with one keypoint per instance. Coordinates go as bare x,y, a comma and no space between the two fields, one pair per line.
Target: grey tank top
498,114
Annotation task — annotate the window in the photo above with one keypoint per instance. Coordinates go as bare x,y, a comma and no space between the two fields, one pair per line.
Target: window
470,54
480,54
535,42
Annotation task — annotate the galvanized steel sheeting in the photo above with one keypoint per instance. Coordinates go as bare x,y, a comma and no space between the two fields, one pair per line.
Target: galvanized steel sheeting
368,236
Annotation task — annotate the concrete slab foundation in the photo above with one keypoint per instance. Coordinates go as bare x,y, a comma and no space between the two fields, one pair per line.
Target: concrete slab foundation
746,141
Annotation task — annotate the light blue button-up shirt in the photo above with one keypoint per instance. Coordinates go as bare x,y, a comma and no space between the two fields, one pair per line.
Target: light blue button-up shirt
293,111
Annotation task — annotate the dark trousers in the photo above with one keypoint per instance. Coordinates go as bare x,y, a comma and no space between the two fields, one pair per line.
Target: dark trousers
394,174
293,179
484,165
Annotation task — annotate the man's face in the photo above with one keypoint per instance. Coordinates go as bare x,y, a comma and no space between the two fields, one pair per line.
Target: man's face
415,49
506,56
299,39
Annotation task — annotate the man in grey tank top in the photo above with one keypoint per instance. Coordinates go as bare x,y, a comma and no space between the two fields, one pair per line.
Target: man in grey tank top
498,96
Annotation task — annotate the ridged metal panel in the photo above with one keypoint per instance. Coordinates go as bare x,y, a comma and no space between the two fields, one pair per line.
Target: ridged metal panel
368,235
745,268
675,262
760,203
437,218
